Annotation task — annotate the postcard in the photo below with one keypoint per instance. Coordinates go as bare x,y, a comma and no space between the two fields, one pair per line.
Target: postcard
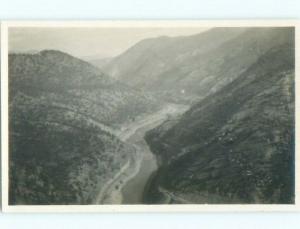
149,116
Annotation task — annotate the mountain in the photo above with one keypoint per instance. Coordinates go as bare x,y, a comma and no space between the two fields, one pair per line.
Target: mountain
77,85
152,57
186,69
64,115
237,145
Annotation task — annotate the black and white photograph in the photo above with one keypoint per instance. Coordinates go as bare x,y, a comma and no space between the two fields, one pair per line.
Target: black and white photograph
159,114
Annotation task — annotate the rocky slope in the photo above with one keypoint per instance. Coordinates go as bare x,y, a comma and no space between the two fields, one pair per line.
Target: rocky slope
237,145
63,112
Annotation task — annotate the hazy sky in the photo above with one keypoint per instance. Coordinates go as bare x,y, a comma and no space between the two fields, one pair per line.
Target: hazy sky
87,42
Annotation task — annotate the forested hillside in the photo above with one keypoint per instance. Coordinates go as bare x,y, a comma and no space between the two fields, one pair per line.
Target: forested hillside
236,146
63,112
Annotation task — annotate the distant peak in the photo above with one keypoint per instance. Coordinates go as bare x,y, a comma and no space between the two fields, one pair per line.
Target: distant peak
57,54
53,52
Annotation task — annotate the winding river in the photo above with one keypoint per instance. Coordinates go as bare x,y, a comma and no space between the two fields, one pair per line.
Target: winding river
133,190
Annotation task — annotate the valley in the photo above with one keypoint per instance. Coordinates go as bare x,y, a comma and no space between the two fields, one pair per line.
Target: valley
200,119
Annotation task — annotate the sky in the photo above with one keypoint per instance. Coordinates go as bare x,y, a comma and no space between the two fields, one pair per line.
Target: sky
88,43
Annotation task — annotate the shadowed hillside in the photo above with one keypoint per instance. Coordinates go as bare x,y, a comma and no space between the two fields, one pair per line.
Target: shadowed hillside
236,146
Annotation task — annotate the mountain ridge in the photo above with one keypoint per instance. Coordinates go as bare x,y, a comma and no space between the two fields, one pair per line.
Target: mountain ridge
197,67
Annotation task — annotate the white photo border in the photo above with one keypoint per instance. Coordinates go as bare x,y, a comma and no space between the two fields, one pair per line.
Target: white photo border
144,208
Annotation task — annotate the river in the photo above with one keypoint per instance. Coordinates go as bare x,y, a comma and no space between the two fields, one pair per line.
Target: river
133,190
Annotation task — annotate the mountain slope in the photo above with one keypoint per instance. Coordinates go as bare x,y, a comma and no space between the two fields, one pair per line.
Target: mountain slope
191,68
63,115
151,57
236,146
59,157
76,84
